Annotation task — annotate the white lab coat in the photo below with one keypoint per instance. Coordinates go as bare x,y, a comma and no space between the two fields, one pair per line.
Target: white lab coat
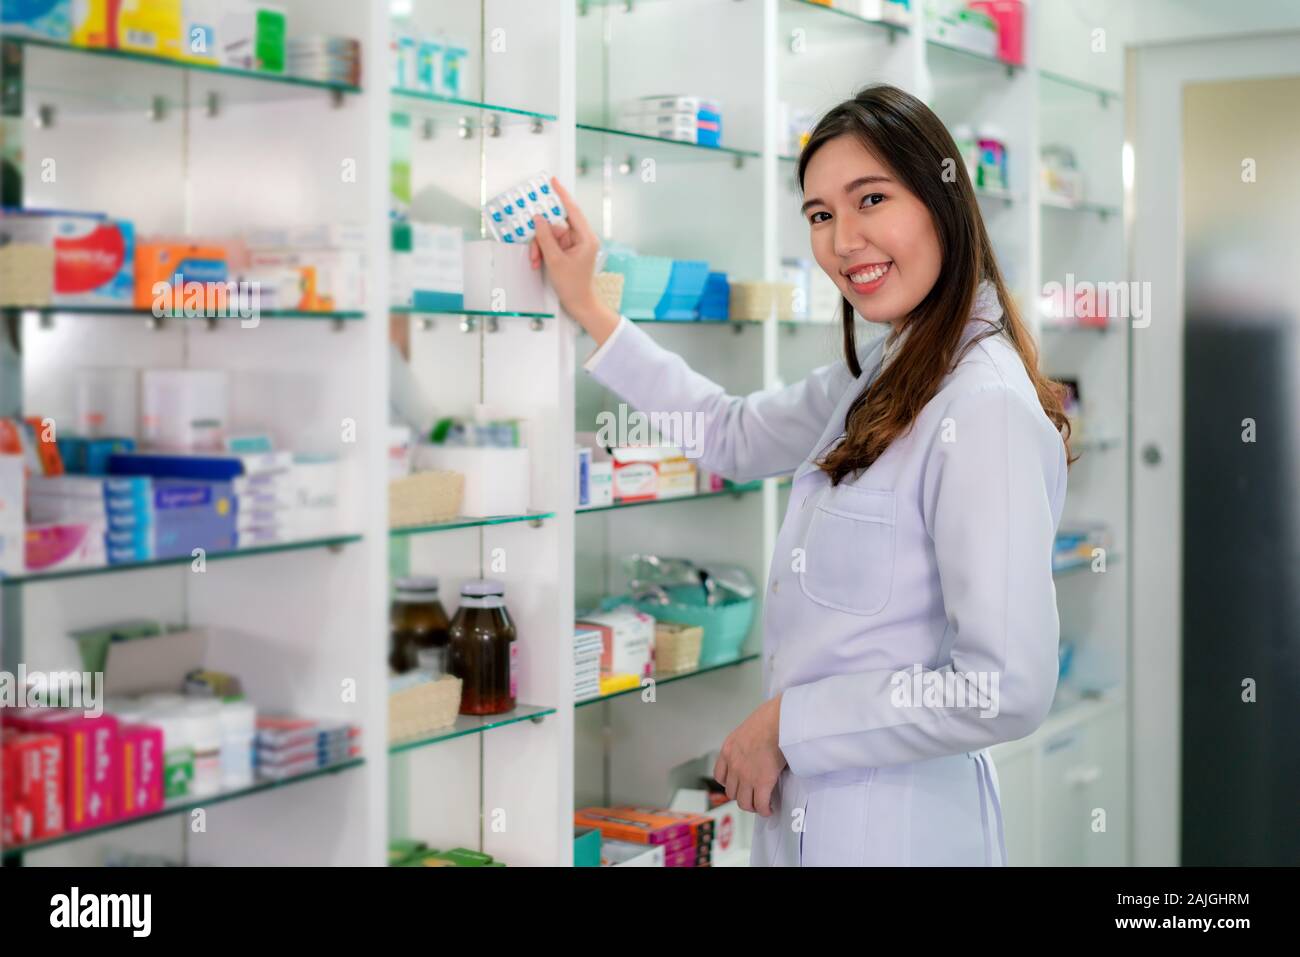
935,561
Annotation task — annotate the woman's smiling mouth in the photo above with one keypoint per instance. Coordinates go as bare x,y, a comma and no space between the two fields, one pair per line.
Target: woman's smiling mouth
869,277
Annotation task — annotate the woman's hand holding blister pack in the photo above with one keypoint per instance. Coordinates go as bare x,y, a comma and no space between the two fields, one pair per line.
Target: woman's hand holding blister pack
570,257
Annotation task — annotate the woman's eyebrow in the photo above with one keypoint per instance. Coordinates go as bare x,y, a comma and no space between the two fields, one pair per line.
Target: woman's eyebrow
848,188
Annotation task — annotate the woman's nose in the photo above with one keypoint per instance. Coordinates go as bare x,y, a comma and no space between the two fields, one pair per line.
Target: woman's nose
849,238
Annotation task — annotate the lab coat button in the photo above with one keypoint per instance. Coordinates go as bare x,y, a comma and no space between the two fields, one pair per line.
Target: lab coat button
776,585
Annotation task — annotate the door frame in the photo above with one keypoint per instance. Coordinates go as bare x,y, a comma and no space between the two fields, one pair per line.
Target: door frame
1153,214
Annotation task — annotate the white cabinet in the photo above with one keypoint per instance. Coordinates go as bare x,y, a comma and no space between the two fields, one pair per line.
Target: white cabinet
1064,794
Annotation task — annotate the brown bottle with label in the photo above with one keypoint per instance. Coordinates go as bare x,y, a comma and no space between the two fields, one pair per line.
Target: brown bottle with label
420,630
483,650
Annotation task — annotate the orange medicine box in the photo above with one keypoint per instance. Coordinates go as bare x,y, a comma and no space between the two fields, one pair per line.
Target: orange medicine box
165,272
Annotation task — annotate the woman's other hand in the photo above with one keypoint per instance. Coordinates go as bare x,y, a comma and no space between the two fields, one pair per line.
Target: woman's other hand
751,761
570,258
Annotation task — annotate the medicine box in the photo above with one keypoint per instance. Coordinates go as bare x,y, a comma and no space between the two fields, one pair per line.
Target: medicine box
94,257
627,640
165,270
150,26
46,19
252,36
92,25
200,37
89,746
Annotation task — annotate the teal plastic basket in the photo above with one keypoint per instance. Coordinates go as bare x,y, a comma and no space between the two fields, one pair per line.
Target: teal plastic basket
726,625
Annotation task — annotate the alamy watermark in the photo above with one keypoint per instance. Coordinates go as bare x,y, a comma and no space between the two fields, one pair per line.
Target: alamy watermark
80,690
1084,299
677,430
921,688
208,300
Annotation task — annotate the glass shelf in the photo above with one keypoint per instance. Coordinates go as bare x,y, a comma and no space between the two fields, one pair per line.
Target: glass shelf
669,677
736,490
473,724
450,107
673,148
1065,86
1056,326
101,79
121,312
699,322
332,542
467,522
411,311
187,803
1101,209
845,16
957,57
995,195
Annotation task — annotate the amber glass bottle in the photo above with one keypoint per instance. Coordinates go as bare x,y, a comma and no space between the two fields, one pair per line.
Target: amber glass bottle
484,652
419,624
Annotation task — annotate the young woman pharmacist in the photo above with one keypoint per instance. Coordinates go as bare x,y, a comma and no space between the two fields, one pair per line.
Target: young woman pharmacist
915,555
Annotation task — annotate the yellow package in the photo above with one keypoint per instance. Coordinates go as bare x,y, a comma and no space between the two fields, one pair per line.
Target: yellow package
150,26
90,23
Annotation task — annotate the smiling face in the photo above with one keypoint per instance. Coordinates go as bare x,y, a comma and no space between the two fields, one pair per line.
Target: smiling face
870,234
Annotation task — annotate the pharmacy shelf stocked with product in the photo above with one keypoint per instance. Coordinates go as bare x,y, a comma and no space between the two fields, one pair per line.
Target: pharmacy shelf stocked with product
228,466
479,496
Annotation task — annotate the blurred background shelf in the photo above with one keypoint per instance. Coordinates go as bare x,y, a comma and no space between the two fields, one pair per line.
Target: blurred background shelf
670,677
467,724
181,805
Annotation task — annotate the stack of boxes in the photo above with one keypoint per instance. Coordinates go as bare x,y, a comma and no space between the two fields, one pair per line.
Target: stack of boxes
240,34
326,59
683,839
287,746
691,119
627,639
588,647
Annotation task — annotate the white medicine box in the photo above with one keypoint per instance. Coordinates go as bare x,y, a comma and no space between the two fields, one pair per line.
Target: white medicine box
498,278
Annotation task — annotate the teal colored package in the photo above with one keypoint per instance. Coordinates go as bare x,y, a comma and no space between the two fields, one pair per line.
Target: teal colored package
47,19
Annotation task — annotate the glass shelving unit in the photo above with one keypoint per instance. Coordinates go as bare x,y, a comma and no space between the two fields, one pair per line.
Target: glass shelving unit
99,63
670,677
109,312
735,491
470,313
180,805
467,724
455,108
690,150
535,518
840,17
333,543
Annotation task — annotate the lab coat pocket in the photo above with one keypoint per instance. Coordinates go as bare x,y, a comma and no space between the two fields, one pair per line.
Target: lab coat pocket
849,550
835,825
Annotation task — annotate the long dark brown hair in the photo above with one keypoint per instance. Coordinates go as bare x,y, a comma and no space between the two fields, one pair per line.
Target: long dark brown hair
904,134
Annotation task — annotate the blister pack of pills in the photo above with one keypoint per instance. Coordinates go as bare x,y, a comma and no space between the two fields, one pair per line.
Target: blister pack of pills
513,216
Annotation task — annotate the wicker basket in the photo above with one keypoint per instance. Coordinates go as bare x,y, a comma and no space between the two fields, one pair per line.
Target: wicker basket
609,289
425,498
423,708
677,646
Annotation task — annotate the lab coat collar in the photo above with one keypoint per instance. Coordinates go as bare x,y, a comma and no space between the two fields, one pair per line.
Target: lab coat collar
986,312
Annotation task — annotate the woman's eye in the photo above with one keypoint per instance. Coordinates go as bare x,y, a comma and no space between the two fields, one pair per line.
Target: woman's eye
873,199
815,217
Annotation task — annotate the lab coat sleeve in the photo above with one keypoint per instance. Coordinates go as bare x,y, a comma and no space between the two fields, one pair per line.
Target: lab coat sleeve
988,503
743,438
